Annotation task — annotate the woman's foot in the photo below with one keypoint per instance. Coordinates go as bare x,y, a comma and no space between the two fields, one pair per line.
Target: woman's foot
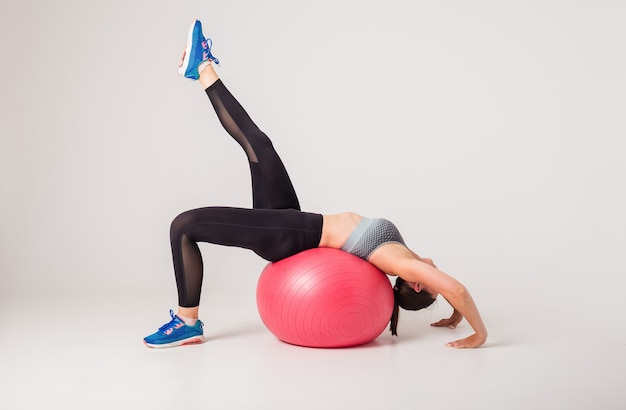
197,53
175,333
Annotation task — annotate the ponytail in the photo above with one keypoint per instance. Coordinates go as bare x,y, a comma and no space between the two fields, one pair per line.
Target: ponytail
393,327
405,297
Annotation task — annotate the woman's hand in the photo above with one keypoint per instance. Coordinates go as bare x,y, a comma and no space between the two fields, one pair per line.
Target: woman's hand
451,322
469,342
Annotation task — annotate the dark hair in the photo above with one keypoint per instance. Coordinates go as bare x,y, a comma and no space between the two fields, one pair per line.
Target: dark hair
407,298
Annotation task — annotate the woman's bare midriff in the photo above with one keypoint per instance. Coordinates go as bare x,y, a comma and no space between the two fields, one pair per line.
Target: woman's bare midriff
337,228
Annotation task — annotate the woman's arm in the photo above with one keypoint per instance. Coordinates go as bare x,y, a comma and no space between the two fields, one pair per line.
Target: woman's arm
464,306
398,260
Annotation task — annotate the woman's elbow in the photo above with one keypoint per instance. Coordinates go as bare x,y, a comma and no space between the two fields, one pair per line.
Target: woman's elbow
459,292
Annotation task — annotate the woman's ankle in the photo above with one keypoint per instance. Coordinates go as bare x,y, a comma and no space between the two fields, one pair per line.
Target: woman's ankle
188,313
208,76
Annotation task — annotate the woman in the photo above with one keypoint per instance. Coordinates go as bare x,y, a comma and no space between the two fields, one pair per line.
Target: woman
275,228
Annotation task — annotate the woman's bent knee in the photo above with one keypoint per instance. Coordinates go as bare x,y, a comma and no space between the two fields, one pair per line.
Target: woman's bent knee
181,223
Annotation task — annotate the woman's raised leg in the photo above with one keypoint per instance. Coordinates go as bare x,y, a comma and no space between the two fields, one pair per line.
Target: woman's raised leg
271,185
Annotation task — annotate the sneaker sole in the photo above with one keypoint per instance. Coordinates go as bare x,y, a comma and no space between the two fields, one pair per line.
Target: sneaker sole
189,341
183,68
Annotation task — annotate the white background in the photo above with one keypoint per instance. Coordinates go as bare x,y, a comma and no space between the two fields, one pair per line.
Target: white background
491,132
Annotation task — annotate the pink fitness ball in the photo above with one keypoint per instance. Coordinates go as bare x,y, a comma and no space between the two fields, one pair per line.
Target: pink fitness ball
324,297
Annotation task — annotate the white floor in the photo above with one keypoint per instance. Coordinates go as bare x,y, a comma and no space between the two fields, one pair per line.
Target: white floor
95,360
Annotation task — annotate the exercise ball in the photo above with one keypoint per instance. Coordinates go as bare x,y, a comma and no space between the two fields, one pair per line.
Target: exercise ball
324,297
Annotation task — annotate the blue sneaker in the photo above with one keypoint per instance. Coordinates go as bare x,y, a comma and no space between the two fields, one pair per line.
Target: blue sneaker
198,49
175,333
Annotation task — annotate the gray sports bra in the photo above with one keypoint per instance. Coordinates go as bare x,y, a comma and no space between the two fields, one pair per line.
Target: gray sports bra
369,235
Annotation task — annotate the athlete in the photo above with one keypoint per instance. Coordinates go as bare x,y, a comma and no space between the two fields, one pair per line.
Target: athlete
275,227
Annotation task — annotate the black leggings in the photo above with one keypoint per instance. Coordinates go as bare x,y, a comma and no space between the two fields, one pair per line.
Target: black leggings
274,229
